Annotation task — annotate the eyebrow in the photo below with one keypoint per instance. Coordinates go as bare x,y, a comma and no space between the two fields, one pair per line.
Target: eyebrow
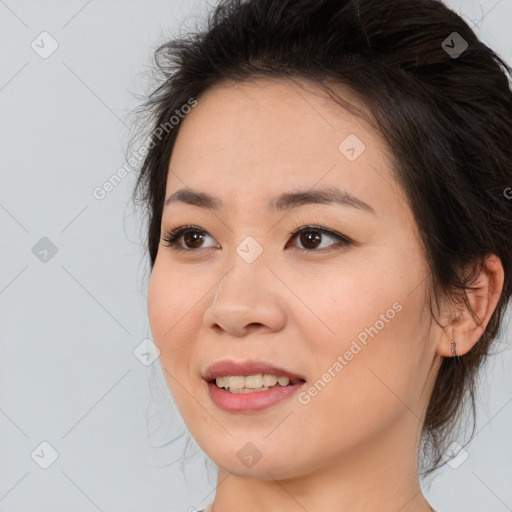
286,201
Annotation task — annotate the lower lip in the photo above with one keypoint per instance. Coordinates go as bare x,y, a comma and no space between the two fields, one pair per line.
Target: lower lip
254,401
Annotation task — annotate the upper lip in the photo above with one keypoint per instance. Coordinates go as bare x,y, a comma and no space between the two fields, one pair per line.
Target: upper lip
251,367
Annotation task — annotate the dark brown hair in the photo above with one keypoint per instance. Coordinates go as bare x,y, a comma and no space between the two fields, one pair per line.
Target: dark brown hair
446,117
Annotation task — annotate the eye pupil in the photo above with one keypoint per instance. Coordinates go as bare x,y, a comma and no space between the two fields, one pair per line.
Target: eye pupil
306,238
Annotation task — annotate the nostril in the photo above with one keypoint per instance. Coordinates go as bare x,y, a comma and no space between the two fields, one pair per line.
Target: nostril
217,328
255,324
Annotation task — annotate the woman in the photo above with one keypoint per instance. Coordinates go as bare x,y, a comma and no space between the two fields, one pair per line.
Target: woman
329,233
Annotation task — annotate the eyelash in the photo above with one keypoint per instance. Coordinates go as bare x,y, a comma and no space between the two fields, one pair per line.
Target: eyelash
173,236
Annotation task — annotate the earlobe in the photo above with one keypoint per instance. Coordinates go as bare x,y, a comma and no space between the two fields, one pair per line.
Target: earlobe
467,326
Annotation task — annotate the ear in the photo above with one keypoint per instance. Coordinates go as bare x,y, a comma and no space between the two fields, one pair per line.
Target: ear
482,297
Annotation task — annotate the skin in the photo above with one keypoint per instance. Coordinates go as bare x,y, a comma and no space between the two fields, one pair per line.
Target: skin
352,447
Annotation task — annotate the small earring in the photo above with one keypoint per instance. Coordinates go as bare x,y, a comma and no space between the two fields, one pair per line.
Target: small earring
453,348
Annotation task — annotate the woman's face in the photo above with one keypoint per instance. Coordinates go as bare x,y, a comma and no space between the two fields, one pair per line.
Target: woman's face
349,318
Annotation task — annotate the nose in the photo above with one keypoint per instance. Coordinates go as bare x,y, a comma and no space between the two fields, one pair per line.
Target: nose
247,299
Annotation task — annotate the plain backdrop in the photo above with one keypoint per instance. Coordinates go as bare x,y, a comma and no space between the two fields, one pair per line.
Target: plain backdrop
86,423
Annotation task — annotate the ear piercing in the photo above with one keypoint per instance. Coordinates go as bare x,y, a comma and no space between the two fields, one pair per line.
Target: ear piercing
453,348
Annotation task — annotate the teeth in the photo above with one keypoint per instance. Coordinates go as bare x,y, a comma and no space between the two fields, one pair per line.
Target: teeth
251,381
222,382
236,382
284,381
258,381
269,380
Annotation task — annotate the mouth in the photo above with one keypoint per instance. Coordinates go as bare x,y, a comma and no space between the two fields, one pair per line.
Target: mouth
250,385
251,400
248,376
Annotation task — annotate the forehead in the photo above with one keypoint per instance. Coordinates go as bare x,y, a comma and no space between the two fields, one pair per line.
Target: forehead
258,138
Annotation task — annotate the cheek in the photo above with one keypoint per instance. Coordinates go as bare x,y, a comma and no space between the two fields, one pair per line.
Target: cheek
167,312
171,318
343,306
368,333
172,299
161,307
379,360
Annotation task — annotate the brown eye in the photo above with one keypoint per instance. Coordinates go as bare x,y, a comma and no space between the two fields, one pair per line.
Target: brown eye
311,237
192,238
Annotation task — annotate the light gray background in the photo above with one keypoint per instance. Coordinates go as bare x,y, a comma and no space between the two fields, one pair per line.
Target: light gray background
69,325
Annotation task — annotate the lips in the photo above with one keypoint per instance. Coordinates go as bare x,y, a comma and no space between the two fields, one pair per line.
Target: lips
244,368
